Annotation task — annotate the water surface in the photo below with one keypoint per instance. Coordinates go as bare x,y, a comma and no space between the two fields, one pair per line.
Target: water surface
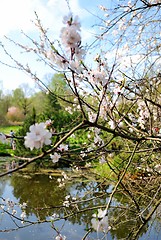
44,197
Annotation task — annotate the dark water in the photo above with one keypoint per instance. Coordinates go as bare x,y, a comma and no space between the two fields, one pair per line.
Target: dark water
44,197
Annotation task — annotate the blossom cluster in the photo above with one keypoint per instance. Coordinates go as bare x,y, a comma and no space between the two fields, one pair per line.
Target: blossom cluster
63,179
70,35
38,136
69,200
56,156
71,41
13,208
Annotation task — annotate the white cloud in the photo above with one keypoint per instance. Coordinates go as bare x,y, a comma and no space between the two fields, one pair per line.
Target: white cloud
15,15
18,14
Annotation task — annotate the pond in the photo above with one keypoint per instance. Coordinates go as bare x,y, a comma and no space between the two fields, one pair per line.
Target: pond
47,196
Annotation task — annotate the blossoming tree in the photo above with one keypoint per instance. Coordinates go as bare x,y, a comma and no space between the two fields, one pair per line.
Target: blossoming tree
116,90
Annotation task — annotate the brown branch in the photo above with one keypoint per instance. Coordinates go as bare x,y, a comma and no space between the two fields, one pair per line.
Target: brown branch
31,160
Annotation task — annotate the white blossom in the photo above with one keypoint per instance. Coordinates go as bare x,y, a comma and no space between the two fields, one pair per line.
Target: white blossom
121,124
75,66
60,237
48,123
70,37
100,226
158,168
143,113
55,157
14,212
54,216
69,109
117,89
57,59
70,20
103,8
38,136
70,34
23,215
63,147
23,205
112,124
66,203
67,197
92,116
64,175
2,206
98,140
98,77
101,213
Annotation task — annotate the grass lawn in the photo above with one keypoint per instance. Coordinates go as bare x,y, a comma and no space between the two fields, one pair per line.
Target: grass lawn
7,129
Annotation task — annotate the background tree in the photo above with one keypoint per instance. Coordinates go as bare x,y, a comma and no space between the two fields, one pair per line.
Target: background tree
21,98
14,114
5,103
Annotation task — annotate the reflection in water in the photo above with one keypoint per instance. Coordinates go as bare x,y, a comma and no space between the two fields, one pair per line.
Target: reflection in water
45,198
2,186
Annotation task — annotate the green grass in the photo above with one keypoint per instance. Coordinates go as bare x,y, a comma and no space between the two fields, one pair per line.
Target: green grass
7,129
102,170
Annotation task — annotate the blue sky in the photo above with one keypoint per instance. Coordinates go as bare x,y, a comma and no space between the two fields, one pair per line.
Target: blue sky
17,15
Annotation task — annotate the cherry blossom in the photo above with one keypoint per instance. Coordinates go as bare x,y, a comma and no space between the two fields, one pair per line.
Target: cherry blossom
98,77
63,147
122,107
55,157
60,237
59,61
69,110
38,136
112,124
92,116
48,123
23,215
70,34
158,168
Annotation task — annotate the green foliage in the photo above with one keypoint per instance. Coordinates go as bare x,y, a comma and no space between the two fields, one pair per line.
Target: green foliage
62,120
102,170
5,149
5,103
36,99
20,148
79,138
21,99
7,129
18,96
